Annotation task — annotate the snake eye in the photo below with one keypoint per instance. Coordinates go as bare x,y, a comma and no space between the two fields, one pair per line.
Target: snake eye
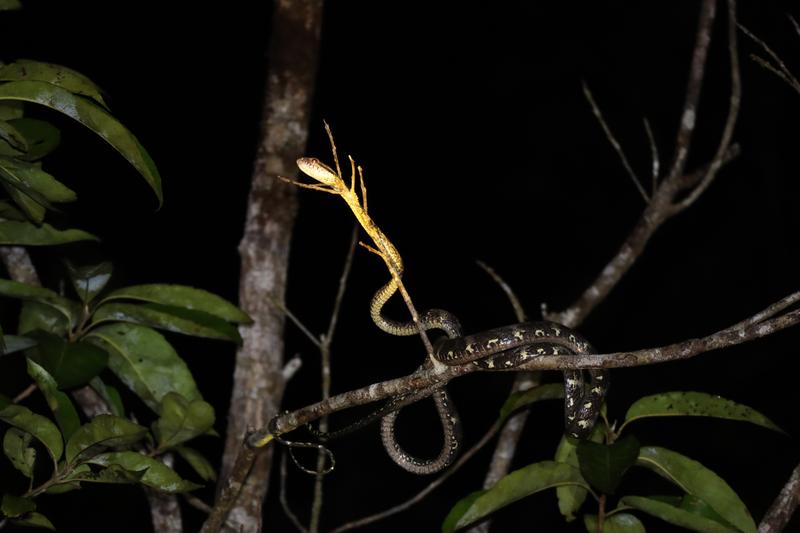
314,168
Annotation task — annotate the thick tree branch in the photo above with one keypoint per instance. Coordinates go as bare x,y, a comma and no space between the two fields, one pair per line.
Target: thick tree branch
781,510
258,378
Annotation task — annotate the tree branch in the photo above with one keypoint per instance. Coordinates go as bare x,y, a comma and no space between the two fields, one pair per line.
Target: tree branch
258,378
781,510
744,331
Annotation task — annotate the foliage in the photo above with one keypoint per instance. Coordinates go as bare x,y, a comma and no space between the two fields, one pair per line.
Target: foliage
706,503
96,337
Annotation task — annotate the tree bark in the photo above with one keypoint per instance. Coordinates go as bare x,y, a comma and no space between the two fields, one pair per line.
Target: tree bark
258,382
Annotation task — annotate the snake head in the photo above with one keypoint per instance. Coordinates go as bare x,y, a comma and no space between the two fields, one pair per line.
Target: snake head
314,168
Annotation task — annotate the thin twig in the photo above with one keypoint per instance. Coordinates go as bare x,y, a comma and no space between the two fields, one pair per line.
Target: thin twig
519,311
30,389
325,353
296,321
285,503
656,161
733,113
779,68
614,143
361,522
693,86
782,509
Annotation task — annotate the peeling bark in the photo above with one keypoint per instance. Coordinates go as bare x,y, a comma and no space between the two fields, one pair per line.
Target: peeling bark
264,249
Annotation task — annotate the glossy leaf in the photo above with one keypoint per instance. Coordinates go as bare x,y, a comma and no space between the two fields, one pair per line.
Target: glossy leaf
89,280
17,233
66,78
571,497
676,516
35,316
181,420
518,400
40,136
72,364
38,426
35,182
458,510
59,403
103,431
198,462
23,291
185,297
12,136
681,403
112,474
616,523
697,480
35,519
9,212
15,506
156,474
110,395
16,446
145,362
170,318
10,109
603,465
93,117
515,486
15,343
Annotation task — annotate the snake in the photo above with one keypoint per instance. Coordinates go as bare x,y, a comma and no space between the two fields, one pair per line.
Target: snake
505,348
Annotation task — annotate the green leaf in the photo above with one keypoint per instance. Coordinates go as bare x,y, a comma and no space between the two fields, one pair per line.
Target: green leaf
40,136
697,480
571,497
110,395
185,297
30,179
89,280
9,212
12,289
72,364
170,318
35,520
15,343
676,516
616,523
104,431
16,447
156,474
603,465
515,486
17,233
10,5
458,510
35,316
518,400
12,136
38,426
181,420
72,81
11,109
198,462
14,506
145,362
64,412
112,474
93,117
681,403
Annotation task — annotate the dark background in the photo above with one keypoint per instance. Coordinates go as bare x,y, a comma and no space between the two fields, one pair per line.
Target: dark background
477,143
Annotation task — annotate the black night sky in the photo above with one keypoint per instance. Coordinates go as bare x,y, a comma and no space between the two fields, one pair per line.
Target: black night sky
477,144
